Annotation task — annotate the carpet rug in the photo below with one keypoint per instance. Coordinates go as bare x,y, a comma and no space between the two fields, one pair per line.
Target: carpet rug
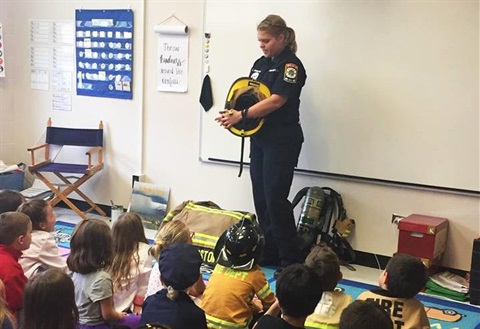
442,313
62,233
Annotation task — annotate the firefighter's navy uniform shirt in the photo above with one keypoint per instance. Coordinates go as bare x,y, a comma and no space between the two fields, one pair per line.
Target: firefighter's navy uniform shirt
284,75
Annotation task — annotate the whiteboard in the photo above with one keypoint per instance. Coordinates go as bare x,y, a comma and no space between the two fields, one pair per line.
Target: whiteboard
392,89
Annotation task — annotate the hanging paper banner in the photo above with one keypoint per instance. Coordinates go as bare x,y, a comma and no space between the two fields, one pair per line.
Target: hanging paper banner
2,54
104,53
172,58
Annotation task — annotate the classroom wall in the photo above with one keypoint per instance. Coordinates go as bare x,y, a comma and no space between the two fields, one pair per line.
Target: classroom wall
31,108
158,133
7,110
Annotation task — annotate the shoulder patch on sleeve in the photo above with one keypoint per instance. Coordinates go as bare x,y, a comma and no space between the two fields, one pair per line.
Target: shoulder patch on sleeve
290,73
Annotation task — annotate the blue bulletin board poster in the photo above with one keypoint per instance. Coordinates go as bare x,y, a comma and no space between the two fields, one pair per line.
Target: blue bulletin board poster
104,53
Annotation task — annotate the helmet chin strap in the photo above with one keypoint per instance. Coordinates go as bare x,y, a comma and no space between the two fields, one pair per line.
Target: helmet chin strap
244,267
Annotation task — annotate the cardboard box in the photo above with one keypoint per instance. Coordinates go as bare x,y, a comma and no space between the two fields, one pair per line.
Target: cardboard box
12,181
423,236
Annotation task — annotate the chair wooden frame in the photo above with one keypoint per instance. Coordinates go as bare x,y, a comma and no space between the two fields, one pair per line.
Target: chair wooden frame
90,137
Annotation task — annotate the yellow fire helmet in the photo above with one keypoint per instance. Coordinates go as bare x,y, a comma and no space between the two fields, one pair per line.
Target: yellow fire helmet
244,93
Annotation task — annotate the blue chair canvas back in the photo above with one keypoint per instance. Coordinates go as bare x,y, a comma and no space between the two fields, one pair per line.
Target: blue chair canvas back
75,137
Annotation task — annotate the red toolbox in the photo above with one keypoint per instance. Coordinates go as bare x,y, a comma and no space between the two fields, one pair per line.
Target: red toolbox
423,236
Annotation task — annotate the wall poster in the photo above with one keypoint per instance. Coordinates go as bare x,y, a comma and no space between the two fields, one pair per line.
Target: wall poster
104,53
172,57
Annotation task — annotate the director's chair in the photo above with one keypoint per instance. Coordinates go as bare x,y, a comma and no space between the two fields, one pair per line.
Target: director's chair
59,136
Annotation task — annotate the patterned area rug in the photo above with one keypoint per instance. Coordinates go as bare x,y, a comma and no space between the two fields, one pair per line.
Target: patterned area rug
63,231
442,313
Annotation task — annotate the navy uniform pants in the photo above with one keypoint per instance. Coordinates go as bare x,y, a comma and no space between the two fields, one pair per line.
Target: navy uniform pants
271,171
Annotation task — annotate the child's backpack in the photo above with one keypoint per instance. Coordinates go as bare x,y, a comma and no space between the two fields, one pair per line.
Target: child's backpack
324,218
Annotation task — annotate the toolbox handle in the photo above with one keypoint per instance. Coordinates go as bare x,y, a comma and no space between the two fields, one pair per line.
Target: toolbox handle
416,235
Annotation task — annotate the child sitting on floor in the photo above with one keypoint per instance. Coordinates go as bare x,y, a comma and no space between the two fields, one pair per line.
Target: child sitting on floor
365,314
299,290
131,265
236,279
43,252
172,232
90,255
49,301
10,200
326,264
15,237
180,268
403,278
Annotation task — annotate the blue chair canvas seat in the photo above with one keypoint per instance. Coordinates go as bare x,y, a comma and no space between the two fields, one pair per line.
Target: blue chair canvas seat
71,175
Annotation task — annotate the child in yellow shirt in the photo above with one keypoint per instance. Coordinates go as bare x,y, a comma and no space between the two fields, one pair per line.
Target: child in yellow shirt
236,279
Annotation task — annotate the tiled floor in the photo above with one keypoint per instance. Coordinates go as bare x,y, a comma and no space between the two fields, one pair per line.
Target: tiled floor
362,273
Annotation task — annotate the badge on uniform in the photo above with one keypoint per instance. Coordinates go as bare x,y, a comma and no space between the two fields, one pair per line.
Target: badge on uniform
290,73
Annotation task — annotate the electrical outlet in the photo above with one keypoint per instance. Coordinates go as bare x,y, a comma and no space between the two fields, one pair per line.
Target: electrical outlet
396,218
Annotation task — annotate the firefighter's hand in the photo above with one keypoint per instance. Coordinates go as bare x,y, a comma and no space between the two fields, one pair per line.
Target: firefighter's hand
229,118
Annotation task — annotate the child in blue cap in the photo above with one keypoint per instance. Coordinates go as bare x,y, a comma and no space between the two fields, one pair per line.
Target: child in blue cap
179,269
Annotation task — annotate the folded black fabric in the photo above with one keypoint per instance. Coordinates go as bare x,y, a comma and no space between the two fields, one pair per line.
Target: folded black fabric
206,97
